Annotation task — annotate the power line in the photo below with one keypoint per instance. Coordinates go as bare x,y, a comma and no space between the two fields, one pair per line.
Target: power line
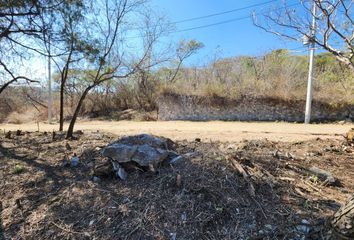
225,12
218,23
219,13
212,24
226,21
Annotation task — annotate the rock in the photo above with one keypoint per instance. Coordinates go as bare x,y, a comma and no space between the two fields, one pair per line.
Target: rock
325,176
122,174
141,150
184,217
173,236
147,155
119,170
120,152
303,229
74,162
305,222
1,155
96,179
146,139
269,227
144,155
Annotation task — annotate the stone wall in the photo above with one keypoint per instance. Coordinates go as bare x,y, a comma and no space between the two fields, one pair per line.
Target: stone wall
195,108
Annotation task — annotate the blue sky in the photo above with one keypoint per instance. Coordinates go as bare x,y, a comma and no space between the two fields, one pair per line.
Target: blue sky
224,40
229,39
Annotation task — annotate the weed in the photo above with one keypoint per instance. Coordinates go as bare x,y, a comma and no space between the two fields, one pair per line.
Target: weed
18,169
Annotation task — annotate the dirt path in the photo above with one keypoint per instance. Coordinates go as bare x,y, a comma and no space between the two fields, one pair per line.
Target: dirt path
215,130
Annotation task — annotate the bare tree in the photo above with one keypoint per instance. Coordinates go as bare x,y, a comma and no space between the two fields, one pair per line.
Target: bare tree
13,78
109,61
16,20
334,26
67,37
184,50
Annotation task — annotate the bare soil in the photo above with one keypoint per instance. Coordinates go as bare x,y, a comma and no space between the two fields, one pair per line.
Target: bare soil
207,131
203,197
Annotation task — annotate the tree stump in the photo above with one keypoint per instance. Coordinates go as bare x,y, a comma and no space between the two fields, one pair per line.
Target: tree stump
343,221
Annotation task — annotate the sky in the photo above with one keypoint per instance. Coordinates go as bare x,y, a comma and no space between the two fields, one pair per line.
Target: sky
230,39
238,37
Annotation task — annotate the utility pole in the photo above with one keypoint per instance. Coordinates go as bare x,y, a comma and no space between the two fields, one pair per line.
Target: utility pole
50,102
310,76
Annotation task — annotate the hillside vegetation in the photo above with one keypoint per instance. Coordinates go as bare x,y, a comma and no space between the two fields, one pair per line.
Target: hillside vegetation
278,74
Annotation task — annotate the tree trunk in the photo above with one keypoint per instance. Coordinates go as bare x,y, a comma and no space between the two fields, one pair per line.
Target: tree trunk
76,113
64,77
343,221
61,114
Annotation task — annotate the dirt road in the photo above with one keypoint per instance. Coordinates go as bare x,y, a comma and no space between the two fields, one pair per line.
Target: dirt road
215,130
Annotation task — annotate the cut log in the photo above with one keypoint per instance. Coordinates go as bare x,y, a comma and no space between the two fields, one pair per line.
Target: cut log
343,221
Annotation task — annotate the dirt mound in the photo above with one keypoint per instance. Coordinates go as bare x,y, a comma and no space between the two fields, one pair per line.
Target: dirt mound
204,196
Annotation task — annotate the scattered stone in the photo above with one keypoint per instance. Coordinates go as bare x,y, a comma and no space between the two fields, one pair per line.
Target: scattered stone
173,236
8,135
269,227
304,221
184,217
96,179
122,174
324,176
303,229
198,140
18,132
119,171
74,162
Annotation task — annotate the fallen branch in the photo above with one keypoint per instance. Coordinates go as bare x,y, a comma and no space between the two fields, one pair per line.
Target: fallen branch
245,175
